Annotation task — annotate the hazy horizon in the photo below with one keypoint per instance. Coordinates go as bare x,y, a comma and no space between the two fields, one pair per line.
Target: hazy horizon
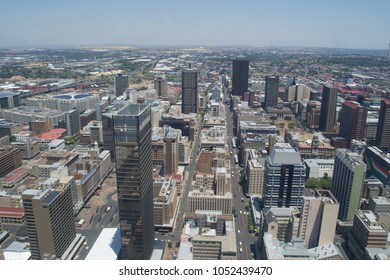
249,23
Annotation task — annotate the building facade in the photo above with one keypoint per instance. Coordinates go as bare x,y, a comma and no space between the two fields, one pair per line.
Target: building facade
328,109
285,178
271,91
50,221
353,121
240,76
133,159
189,91
383,130
348,175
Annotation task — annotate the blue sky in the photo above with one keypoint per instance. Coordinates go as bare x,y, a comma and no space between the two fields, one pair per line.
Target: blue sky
330,23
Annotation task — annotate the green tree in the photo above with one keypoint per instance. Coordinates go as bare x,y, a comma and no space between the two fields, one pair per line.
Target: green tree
287,118
281,125
169,244
291,125
242,179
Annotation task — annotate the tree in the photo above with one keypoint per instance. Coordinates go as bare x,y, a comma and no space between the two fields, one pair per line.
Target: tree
291,125
273,118
287,118
242,179
169,244
281,125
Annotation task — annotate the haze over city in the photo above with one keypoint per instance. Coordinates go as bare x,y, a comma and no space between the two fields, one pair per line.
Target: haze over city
334,24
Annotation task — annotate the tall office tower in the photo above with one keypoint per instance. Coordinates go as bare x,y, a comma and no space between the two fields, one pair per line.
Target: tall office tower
271,91
285,177
383,131
298,93
328,109
50,221
348,175
171,150
189,91
133,159
121,83
319,218
255,177
72,120
353,121
240,76
160,85
222,185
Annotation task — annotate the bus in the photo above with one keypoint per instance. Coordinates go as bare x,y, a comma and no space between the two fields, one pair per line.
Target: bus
233,143
236,159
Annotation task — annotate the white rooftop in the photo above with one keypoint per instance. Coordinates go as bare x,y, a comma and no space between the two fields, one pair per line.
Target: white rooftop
107,246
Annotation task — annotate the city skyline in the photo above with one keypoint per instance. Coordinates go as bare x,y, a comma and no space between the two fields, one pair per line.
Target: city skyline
357,24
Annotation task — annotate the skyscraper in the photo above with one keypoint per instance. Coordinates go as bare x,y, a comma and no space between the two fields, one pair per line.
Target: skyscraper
189,91
50,221
348,175
121,83
328,109
133,158
285,177
353,121
160,85
73,124
319,218
171,150
271,91
240,76
383,131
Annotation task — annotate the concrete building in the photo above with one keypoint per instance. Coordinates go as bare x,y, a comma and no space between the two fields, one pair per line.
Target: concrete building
29,149
240,76
10,159
72,122
69,101
274,249
121,83
160,85
165,201
282,223
133,160
318,219
328,109
285,177
367,232
38,127
222,181
208,235
383,131
353,121
348,175
50,221
189,91
298,93
201,199
316,168
255,172
9,100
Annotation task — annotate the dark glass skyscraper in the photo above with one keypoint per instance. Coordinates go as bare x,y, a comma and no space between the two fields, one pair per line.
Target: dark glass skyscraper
383,132
189,91
133,158
328,109
240,76
271,91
